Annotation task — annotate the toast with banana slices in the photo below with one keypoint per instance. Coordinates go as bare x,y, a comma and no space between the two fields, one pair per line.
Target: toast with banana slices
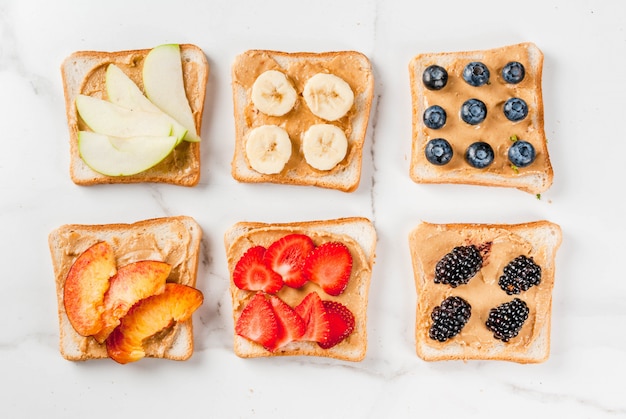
478,118
301,118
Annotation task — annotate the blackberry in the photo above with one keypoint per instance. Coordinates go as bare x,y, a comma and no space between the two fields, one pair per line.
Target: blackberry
449,318
458,266
519,275
506,320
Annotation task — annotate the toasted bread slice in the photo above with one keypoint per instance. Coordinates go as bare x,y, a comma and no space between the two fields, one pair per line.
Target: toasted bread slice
498,245
496,129
174,240
83,72
356,233
353,67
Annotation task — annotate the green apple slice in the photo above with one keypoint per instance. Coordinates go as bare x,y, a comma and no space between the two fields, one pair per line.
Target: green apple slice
122,91
164,86
110,119
113,156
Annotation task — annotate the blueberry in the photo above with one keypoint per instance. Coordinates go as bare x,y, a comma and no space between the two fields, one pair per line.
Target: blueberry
476,74
473,111
435,77
479,155
515,109
435,117
513,72
438,151
521,153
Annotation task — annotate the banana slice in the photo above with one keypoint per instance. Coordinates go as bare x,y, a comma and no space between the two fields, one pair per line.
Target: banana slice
328,96
324,145
268,149
273,94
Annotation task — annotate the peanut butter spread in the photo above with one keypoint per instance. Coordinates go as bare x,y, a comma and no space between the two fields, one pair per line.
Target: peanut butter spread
430,243
298,70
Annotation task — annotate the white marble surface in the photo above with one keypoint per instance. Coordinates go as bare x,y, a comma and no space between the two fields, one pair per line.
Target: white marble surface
584,92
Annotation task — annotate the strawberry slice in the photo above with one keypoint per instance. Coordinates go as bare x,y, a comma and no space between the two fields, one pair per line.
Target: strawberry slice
252,274
258,322
286,257
290,324
341,321
311,310
329,266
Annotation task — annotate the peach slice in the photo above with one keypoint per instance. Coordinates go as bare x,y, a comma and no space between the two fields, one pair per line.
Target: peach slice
150,316
132,283
85,285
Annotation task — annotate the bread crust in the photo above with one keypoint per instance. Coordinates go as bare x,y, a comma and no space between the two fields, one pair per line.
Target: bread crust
357,233
539,240
182,166
355,69
495,129
175,240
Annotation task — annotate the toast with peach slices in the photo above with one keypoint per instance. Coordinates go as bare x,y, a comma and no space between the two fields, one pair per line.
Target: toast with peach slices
127,291
301,288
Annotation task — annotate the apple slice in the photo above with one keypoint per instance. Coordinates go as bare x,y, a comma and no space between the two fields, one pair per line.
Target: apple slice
150,316
164,85
122,91
123,156
85,285
133,282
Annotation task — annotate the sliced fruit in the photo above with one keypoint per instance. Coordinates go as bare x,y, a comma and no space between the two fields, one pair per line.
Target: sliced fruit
341,321
132,283
286,257
165,87
329,266
85,285
123,156
290,326
252,274
324,146
268,149
150,316
273,94
258,322
312,311
328,96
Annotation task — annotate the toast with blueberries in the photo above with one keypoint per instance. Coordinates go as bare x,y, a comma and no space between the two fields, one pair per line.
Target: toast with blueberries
478,118
484,291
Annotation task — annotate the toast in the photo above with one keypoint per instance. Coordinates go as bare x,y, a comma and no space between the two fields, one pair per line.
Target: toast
498,244
299,68
174,240
358,234
449,163
83,72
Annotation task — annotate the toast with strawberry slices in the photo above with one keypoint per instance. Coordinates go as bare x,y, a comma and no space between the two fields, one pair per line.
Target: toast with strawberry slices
301,288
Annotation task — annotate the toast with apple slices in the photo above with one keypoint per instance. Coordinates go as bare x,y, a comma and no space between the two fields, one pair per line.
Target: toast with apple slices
321,319
176,162
174,241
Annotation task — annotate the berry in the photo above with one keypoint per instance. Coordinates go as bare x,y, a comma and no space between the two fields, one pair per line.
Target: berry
258,322
252,274
515,109
513,72
311,310
458,266
473,111
286,257
290,324
479,155
521,153
435,77
449,318
438,151
329,266
476,74
341,322
519,275
435,117
506,320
